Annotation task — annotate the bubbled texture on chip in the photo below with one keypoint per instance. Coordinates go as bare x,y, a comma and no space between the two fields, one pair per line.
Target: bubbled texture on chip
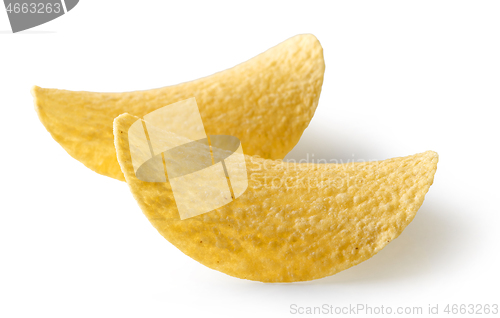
295,222
266,102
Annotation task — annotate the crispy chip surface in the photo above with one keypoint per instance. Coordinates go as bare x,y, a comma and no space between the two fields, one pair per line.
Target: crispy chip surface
295,222
266,102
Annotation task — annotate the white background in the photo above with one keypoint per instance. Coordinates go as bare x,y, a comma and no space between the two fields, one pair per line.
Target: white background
402,77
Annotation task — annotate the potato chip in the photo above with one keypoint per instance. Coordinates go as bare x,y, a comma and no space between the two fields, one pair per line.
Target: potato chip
266,102
294,222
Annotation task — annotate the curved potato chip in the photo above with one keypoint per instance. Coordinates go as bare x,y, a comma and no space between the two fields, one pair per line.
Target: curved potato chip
266,102
295,222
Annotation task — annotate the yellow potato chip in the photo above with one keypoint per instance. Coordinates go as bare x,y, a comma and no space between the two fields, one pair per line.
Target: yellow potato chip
266,102
294,222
